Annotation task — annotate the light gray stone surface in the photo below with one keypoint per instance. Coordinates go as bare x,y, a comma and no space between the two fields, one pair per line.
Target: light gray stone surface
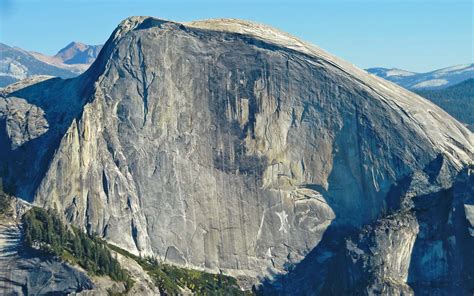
227,145
24,122
24,271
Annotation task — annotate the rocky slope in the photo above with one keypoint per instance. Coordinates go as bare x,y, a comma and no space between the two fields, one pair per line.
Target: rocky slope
229,146
26,272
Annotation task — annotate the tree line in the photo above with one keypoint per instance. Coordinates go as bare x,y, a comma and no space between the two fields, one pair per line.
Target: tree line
44,230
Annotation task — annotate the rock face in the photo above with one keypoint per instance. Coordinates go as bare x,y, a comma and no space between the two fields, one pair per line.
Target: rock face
27,271
24,122
227,145
24,271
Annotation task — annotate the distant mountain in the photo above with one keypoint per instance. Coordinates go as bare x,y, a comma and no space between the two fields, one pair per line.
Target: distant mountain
17,64
230,147
450,88
437,79
457,100
78,53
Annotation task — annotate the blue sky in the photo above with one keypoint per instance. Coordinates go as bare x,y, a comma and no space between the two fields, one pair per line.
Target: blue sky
417,35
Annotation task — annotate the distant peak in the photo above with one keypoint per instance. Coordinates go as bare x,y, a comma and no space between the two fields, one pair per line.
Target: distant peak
74,46
78,53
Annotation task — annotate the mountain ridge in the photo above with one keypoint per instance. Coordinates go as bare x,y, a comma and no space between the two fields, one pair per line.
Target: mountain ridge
228,146
457,100
78,53
17,64
435,79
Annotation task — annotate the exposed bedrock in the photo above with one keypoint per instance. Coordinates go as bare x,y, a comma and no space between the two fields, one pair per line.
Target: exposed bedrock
228,145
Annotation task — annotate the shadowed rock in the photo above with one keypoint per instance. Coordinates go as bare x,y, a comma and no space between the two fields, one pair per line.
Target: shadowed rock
228,145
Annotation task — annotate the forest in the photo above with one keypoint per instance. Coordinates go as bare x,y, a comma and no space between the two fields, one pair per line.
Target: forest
457,100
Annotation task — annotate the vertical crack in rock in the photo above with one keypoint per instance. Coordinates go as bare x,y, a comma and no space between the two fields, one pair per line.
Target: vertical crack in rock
105,185
230,146
144,80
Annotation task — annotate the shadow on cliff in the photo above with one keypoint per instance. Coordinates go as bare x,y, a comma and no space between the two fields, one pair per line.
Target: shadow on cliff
62,100
23,168
324,272
311,273
348,199
442,261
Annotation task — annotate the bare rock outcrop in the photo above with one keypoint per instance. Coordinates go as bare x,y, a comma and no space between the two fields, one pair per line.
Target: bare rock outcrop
24,271
227,145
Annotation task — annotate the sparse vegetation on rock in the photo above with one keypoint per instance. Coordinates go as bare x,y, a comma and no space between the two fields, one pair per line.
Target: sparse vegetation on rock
44,230
4,202
172,279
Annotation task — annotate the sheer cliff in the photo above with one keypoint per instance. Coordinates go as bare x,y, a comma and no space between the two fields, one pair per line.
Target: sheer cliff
229,146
